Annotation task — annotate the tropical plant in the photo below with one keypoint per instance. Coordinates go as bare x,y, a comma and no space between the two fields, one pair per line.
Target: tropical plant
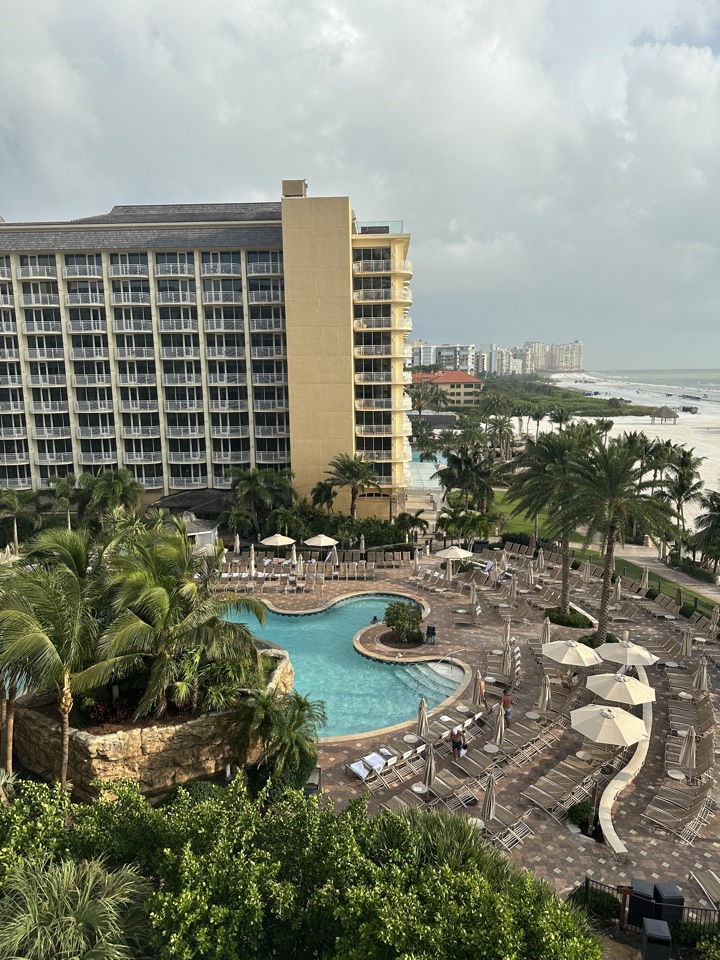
559,415
355,473
99,494
284,725
64,492
428,396
471,475
19,505
323,495
408,523
707,527
684,485
404,620
501,435
256,493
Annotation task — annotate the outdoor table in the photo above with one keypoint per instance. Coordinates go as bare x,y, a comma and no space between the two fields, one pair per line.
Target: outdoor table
410,738
583,755
497,653
700,639
676,774
532,715
685,695
459,610
523,591
670,663
462,708
419,788
477,823
489,679
668,616
491,748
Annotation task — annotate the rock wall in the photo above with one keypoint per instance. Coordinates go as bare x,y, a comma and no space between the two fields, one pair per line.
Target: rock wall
156,757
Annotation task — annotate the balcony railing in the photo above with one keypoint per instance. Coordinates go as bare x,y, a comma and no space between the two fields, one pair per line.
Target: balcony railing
224,378
47,380
266,296
374,430
24,272
374,350
16,483
11,380
174,269
224,269
239,432
265,269
64,456
385,376
222,296
142,456
139,406
49,406
87,433
118,299
23,457
265,324
262,406
272,431
382,266
221,352
13,433
42,326
259,353
86,270
231,456
5,271
92,380
368,296
136,379
218,324
135,353
185,352
14,406
9,326
52,433
45,353
184,482
10,353
177,296
222,483
262,379
94,406
7,300
383,323
89,353
193,431
128,270
152,482
174,406
187,324
153,431
377,455
272,456
87,326
39,300
98,456
182,379
132,326
229,405
72,299
186,456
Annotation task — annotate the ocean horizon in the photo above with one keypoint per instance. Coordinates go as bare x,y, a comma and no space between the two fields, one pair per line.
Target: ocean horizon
681,378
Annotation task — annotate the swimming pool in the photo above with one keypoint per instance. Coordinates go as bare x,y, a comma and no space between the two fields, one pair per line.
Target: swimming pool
359,694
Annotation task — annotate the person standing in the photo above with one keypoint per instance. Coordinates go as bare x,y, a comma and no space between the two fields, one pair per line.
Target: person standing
507,706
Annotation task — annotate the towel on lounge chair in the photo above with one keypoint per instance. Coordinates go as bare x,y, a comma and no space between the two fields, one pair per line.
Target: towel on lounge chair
359,768
375,761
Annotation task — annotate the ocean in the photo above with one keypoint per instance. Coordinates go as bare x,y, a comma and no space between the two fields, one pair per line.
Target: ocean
673,388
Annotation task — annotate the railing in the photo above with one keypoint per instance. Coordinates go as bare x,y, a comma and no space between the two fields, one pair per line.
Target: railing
377,455
223,352
226,269
14,406
264,269
177,296
5,271
137,379
9,326
222,296
383,323
139,406
582,894
185,456
238,432
272,456
143,456
52,433
98,456
194,431
174,353
187,323
48,406
272,431
45,353
386,376
72,299
266,296
218,324
366,296
89,353
380,227
94,406
263,324
39,300
47,380
261,379
261,406
150,483
373,429
134,353
11,380
174,406
15,457
229,405
384,403
10,354
238,379
181,482
128,433
86,270
259,353
378,350
382,266
64,456
118,299
13,433
128,270
231,456
132,326
16,483
174,269
182,379
91,380
7,300
41,326
86,433
222,483
24,272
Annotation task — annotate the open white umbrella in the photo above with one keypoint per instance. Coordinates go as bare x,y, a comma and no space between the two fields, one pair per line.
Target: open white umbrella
429,771
545,635
277,540
454,553
362,543
320,541
488,807
700,680
571,653
627,653
688,751
620,688
237,543
472,599
616,595
611,725
545,697
645,580
541,560
499,727
422,723
293,555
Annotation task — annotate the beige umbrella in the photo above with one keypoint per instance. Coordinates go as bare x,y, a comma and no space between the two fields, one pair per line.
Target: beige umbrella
506,632
320,541
472,599
334,557
541,560
429,771
700,680
293,555
714,618
545,697
545,635
277,540
362,543
621,688
645,580
688,751
512,592
616,596
448,571
495,573
503,562
571,653
627,653
611,725
687,641
499,727
477,689
454,553
679,600
416,561
507,661
252,572
252,552
488,807
531,574
237,543
299,569
422,723
586,572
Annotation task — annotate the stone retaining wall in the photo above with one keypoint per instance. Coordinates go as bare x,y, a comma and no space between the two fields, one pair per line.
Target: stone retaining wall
158,758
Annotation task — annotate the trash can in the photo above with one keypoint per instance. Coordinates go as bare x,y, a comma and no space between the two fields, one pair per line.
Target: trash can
430,634
656,940
669,902
642,903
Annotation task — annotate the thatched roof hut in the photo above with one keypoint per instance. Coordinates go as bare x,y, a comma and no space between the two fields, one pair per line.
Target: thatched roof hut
663,414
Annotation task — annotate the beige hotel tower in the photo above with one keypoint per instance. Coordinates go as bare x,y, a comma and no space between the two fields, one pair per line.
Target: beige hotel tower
180,340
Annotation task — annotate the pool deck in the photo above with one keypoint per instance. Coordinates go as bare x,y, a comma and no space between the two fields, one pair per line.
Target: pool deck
553,853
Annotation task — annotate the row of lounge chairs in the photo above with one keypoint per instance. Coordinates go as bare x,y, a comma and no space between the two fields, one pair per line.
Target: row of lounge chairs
704,756
573,779
699,715
681,809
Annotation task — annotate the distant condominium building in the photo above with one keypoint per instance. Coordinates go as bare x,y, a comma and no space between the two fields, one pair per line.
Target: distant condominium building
181,340
552,357
449,356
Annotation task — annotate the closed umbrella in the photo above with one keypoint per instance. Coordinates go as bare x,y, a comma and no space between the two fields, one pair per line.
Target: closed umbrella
714,618
687,641
545,635
293,555
679,597
645,580
416,561
473,594
499,727
571,653
507,661
334,557
700,680
503,562
506,632
252,553
531,575
422,723
545,697
488,807
610,725
586,573
617,591
252,573
688,751
541,560
477,687
495,573
362,543
627,653
429,771
512,592
448,571
320,541
620,688
277,540
300,568
237,543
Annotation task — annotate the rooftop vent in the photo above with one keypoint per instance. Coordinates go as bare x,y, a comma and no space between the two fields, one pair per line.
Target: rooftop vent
294,188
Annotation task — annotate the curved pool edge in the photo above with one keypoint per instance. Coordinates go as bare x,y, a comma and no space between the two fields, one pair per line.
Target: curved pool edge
348,596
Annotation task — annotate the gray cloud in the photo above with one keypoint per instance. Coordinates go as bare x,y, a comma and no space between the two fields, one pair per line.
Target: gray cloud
557,163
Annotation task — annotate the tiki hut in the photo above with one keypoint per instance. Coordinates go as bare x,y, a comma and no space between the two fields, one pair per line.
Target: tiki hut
663,414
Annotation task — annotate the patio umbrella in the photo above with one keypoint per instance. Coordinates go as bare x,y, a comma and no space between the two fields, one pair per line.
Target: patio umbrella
571,653
621,688
277,540
611,725
700,680
429,771
499,727
422,723
507,661
586,572
362,543
334,557
293,555
541,560
454,553
448,571
503,562
237,543
320,541
477,691
627,653
416,561
679,597
545,635
252,572
300,568
494,573
472,599
488,807
687,641
506,632
531,574
688,751
512,592
714,618
617,591
252,552
545,697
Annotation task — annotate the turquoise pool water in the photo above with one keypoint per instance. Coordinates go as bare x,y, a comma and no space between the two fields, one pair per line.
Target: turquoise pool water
416,458
359,694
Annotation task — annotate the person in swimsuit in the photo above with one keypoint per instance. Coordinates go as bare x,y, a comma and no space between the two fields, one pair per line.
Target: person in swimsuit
457,742
507,706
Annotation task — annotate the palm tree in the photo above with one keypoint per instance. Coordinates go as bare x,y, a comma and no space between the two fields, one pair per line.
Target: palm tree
471,474
65,491
73,911
10,678
609,489
707,527
408,523
684,484
256,493
422,430
501,435
428,396
538,415
559,415
285,725
355,473
19,506
323,495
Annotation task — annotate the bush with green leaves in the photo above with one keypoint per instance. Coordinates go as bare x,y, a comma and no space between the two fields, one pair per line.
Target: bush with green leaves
576,620
695,571
599,903
579,813
404,620
292,775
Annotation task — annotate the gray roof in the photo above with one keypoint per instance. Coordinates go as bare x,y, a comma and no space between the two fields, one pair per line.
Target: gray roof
186,213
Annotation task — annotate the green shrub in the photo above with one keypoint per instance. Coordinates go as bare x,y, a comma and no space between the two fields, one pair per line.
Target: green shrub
652,594
579,813
575,565
694,570
591,639
573,619
709,947
690,934
600,903
404,620
291,777
687,610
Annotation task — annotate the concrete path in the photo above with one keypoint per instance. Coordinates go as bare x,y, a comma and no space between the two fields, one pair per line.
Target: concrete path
647,556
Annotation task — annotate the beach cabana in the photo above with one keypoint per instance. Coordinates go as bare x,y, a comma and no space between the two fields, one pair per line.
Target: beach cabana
663,414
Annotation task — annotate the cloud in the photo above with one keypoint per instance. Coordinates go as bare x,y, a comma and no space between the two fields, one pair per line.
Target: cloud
557,163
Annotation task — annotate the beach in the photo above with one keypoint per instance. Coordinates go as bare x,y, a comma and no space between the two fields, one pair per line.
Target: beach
699,431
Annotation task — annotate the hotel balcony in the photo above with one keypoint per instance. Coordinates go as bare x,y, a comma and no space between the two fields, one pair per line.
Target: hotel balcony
182,379
132,326
382,350
15,406
221,269
188,352
383,266
265,269
48,406
53,433
224,379
180,406
75,299
194,431
16,483
87,433
11,380
94,406
45,353
5,271
142,456
184,482
13,433
128,270
383,323
231,456
9,326
374,430
89,270
135,353
263,406
222,296
87,326
233,433
268,353
25,272
233,406
225,353
136,379
177,296
15,457
274,431
222,483
11,353
39,300
98,456
174,269
126,299
92,380
139,406
218,324
7,300
368,296
376,455
40,326
151,482
266,296
128,433
186,456
187,324
263,379
272,456
47,380
267,324
89,353
64,456
387,376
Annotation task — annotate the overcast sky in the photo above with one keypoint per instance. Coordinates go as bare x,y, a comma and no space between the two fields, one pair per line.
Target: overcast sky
556,161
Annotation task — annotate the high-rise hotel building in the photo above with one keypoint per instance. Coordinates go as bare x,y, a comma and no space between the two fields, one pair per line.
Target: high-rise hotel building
180,340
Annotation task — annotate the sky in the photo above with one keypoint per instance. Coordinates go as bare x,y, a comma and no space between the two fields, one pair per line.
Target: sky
557,162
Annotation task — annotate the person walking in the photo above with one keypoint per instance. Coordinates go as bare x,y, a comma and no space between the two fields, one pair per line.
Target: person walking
506,704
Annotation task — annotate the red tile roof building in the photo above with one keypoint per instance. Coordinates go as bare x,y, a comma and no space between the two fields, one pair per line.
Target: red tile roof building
462,388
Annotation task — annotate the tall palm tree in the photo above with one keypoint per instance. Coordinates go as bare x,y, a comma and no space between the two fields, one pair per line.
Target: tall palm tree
707,527
684,485
501,435
538,415
257,493
283,724
99,494
19,505
428,396
472,475
560,415
408,523
323,495
609,489
64,491
355,473
73,911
